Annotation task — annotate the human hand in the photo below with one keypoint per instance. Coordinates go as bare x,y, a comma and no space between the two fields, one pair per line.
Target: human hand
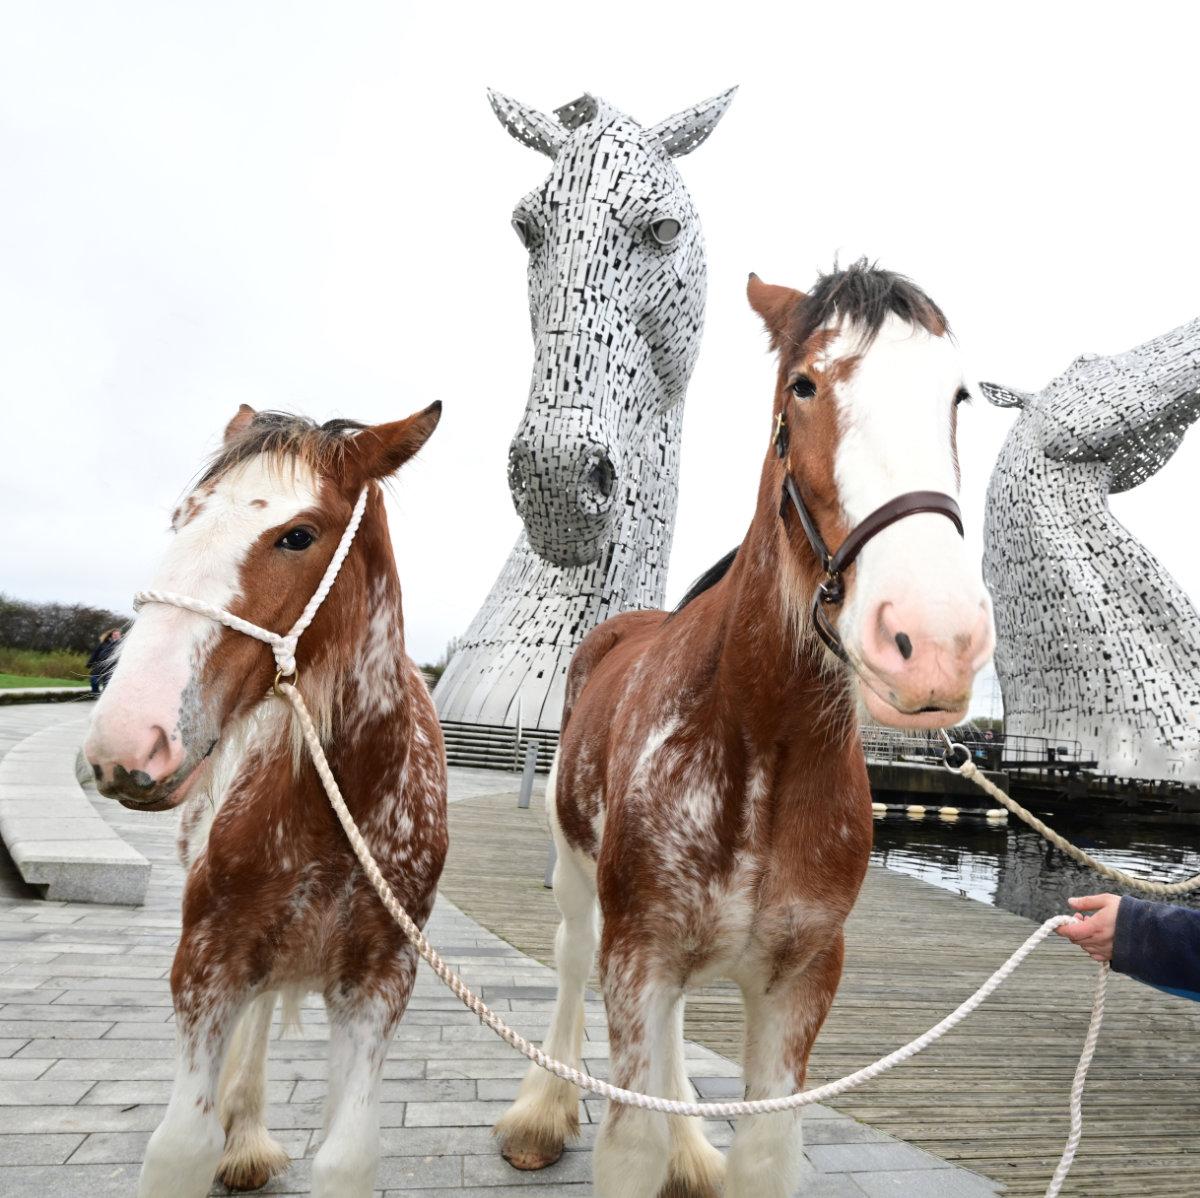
1094,934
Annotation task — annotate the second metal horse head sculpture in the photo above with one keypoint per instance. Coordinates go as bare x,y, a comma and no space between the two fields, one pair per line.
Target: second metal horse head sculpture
1095,641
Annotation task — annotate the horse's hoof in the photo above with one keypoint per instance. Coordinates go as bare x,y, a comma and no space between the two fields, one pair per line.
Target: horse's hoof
245,1178
249,1166
529,1157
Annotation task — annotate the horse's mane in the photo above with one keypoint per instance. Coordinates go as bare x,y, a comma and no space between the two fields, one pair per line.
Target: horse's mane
708,579
864,295
283,435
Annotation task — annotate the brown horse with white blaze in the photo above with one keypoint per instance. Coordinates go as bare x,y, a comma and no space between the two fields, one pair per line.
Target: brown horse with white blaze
274,900
710,787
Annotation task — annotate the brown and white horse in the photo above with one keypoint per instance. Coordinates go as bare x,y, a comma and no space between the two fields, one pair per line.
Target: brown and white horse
274,900
710,786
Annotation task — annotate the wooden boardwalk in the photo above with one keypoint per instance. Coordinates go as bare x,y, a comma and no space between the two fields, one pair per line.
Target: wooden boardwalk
992,1095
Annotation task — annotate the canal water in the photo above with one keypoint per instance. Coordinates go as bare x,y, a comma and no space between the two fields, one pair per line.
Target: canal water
1010,866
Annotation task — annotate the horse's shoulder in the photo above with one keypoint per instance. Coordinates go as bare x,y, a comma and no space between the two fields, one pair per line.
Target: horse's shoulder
618,638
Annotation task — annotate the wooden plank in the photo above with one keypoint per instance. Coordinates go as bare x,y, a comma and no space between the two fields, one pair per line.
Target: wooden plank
992,1095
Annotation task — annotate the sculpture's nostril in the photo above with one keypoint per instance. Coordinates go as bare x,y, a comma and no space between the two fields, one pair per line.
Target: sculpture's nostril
602,477
904,645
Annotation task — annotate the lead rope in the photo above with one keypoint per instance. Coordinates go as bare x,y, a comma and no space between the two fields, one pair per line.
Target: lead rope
284,649
667,1106
968,769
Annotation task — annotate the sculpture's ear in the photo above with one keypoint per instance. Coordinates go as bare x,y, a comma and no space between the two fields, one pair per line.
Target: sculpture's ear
1003,397
240,422
682,133
527,125
775,305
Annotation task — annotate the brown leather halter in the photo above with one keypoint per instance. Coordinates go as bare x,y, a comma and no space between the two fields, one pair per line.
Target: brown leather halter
832,590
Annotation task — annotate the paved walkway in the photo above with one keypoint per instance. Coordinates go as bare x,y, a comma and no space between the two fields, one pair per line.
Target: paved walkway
86,1053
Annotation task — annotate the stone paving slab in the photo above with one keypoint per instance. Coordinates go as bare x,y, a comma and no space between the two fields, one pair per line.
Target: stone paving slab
86,1057
54,835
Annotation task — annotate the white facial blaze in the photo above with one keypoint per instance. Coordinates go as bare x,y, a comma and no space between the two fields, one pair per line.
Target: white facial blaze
167,645
894,417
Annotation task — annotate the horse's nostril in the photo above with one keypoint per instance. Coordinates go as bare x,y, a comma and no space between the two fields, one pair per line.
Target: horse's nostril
904,645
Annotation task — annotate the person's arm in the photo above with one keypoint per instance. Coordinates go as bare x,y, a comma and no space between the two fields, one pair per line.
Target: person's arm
1160,944
1156,943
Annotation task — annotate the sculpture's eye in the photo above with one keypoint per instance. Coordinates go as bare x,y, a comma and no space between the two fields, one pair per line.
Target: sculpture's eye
665,229
804,387
296,538
526,230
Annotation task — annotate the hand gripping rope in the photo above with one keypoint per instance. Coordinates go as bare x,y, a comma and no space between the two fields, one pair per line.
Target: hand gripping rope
284,649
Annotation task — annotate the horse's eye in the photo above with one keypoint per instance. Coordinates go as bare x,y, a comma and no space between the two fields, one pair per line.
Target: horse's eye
665,230
526,231
295,538
963,396
804,387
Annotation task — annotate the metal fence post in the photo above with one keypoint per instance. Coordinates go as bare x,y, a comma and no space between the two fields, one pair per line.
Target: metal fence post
531,752
548,880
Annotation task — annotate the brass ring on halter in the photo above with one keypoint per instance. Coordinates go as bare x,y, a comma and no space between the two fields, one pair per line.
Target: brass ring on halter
279,676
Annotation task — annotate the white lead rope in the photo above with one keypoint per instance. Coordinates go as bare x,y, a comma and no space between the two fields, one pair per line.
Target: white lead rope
284,649
970,770
668,1106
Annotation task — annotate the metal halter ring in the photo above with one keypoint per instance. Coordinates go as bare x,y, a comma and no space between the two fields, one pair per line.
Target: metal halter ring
953,747
279,675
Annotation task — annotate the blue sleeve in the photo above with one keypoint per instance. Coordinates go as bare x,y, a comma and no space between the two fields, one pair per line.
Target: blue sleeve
1159,944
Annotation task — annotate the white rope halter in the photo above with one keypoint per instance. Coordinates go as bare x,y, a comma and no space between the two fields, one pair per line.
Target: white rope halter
284,647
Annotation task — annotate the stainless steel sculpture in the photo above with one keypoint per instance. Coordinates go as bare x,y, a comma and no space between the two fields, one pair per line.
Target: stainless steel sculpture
1096,643
616,301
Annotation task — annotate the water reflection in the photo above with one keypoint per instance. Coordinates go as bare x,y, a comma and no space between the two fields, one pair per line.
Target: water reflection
1012,867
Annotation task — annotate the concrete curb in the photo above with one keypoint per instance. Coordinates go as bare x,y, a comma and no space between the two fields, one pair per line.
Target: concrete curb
56,838
43,694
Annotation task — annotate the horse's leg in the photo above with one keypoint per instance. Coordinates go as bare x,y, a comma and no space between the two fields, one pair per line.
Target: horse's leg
633,1149
185,1149
362,1022
766,1159
251,1157
545,1113
697,1168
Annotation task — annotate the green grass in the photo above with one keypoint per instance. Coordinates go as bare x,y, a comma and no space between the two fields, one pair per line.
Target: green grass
11,680
58,668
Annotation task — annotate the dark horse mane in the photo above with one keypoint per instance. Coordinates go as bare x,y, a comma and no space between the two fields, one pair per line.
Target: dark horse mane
862,295
707,580
284,435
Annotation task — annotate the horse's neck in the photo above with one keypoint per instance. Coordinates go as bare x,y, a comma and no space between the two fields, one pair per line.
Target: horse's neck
787,687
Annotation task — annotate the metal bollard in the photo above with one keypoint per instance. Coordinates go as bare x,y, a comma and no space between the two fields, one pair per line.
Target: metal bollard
531,752
548,880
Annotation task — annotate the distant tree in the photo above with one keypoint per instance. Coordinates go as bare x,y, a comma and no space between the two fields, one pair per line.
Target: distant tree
46,627
435,669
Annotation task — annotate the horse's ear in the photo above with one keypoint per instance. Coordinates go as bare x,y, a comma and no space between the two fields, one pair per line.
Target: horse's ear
1003,397
382,449
774,304
240,423
682,133
530,127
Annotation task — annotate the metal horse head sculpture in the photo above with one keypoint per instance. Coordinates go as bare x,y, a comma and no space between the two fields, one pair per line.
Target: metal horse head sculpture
616,301
1095,641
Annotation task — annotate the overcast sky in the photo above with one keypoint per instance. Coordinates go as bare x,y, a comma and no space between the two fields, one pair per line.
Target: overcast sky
307,206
